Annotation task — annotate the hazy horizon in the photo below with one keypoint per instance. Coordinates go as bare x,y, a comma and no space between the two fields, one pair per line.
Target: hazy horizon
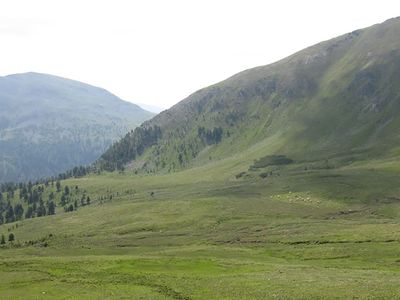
182,47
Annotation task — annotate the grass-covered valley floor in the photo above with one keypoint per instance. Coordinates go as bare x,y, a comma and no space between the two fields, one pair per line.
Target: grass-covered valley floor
205,233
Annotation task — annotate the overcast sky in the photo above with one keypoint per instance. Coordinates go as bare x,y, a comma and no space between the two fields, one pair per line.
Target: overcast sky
159,52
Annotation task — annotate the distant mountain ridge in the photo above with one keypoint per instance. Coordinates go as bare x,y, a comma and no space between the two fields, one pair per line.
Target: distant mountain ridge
49,124
152,108
338,99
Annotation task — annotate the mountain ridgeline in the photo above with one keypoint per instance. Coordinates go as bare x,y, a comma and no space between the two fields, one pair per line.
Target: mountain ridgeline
50,124
337,99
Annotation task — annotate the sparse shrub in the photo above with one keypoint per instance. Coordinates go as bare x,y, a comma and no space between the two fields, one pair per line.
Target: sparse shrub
240,175
271,160
11,237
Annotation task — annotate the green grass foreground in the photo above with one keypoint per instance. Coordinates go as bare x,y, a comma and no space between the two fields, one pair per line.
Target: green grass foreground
196,234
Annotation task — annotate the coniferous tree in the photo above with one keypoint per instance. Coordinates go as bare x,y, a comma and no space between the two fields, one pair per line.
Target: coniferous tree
10,216
58,186
35,197
52,208
41,211
63,200
11,237
29,213
19,212
83,200
3,240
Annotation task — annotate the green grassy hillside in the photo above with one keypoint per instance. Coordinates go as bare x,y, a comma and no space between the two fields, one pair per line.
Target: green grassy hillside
283,184
49,124
341,95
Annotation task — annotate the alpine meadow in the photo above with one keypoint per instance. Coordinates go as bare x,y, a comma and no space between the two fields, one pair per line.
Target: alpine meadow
280,182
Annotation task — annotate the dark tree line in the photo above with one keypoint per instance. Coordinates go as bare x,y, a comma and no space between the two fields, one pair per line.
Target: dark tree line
132,145
210,136
38,200
76,172
36,206
11,238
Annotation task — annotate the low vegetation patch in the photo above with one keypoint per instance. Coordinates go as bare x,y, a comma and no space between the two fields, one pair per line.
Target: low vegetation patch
271,160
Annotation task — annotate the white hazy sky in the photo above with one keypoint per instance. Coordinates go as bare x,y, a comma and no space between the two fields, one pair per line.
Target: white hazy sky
159,52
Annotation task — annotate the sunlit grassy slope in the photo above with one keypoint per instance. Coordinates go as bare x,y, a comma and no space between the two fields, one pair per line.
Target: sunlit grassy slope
339,96
302,232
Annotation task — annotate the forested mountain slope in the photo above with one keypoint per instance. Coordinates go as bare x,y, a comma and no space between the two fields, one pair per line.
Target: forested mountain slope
49,124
